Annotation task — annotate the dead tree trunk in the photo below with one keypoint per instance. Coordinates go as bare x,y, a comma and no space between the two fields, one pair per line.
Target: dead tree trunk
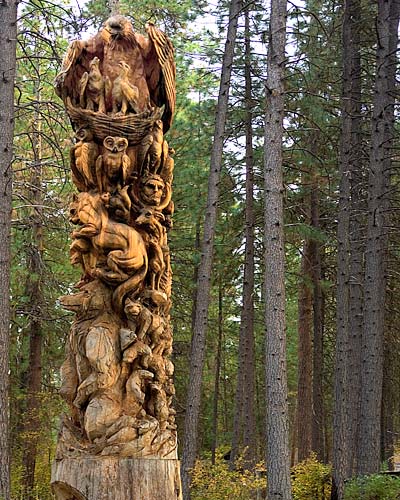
8,36
111,478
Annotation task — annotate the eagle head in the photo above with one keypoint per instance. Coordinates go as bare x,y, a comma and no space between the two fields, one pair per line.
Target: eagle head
117,27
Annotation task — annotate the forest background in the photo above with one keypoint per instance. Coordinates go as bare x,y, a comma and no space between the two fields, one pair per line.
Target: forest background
341,203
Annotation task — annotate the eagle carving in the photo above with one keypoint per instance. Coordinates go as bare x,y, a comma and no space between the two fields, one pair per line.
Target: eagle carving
149,64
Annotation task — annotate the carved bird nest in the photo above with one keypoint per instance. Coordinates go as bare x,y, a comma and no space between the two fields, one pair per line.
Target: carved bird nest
132,126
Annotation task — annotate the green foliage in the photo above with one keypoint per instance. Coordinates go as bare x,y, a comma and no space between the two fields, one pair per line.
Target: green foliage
218,482
42,489
50,407
311,479
374,487
171,15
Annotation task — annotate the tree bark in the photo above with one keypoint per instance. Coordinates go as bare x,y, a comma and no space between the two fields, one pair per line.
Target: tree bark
277,459
34,291
388,407
249,428
195,274
217,375
204,282
318,417
8,36
244,428
115,478
382,132
305,357
349,300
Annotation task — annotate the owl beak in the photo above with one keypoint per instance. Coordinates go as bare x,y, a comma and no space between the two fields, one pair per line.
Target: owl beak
115,150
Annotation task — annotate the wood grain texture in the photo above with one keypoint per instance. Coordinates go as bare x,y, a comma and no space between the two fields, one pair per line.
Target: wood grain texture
119,441
116,479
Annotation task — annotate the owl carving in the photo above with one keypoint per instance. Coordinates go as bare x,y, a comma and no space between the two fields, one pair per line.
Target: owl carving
83,159
112,167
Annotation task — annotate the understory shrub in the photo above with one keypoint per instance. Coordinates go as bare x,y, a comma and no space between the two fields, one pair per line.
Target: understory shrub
311,479
373,487
218,482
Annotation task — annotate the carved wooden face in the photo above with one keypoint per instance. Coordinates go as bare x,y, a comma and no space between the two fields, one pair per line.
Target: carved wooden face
152,190
115,144
132,308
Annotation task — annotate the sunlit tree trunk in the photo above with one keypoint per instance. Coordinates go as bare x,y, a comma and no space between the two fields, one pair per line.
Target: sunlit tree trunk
8,36
277,451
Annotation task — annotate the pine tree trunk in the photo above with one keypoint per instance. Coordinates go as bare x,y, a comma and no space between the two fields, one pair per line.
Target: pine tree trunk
382,132
204,282
8,35
310,411
195,274
305,357
277,459
388,409
244,428
318,417
357,169
349,301
249,428
217,375
34,289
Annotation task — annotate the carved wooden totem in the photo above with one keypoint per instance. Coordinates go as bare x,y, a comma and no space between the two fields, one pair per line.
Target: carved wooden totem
119,91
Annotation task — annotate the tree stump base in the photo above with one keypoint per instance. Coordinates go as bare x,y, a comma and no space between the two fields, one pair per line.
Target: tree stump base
112,478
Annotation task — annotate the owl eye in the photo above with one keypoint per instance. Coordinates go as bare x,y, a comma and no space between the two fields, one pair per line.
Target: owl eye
109,142
121,144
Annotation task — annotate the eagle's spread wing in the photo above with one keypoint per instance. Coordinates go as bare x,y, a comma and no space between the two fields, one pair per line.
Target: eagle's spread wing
161,77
